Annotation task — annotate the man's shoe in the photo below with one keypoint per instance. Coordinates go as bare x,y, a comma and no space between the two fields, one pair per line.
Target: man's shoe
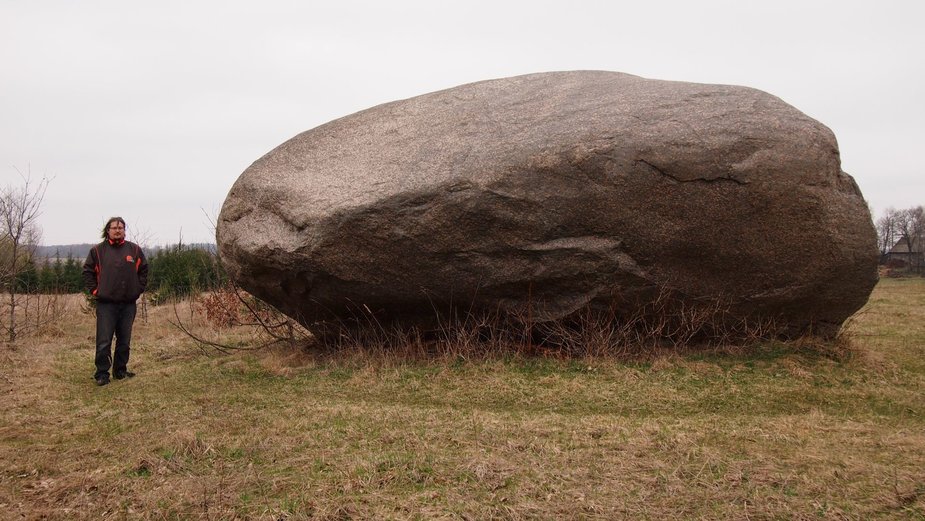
125,374
101,381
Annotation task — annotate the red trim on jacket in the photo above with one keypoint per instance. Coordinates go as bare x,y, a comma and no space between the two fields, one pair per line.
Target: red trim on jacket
98,269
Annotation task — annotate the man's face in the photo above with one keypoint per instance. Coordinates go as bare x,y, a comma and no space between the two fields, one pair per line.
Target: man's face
116,231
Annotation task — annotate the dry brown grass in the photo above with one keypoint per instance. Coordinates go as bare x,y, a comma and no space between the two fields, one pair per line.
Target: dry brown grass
801,430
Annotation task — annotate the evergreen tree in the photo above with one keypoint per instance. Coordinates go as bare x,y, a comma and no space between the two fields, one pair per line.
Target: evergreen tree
27,280
47,282
72,275
181,271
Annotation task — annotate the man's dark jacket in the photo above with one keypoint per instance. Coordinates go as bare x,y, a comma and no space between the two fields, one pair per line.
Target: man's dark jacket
116,272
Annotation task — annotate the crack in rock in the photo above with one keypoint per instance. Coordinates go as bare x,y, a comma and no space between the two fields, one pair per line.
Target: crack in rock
694,180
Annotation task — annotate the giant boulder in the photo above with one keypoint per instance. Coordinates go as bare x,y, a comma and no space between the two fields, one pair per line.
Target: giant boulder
556,193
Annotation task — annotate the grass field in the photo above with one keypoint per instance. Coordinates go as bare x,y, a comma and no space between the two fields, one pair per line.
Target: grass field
781,431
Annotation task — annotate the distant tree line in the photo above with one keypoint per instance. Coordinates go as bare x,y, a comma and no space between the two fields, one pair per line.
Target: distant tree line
173,271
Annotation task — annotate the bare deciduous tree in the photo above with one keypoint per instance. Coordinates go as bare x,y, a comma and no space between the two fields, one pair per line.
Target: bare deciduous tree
20,207
910,227
886,230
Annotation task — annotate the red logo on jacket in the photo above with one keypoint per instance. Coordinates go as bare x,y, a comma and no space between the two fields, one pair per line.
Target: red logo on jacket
129,258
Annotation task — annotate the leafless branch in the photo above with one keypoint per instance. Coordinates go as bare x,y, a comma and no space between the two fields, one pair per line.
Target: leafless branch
224,348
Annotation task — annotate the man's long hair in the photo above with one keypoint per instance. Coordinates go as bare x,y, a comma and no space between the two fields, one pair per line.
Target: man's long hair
109,223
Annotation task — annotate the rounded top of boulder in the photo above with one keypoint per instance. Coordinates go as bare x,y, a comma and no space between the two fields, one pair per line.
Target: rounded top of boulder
416,143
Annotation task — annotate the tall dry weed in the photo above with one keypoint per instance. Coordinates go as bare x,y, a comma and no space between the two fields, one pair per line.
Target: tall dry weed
665,322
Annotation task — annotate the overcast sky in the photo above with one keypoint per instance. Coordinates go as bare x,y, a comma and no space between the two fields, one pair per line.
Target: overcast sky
151,110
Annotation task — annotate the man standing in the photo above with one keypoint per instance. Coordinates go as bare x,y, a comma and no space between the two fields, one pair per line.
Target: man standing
116,273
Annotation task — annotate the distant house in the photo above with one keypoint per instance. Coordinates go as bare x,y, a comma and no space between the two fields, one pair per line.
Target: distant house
900,255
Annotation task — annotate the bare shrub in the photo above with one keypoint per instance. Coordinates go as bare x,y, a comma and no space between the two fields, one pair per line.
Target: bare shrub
220,307
39,314
664,321
231,307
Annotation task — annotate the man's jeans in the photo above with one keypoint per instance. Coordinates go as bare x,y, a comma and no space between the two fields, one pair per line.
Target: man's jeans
113,318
